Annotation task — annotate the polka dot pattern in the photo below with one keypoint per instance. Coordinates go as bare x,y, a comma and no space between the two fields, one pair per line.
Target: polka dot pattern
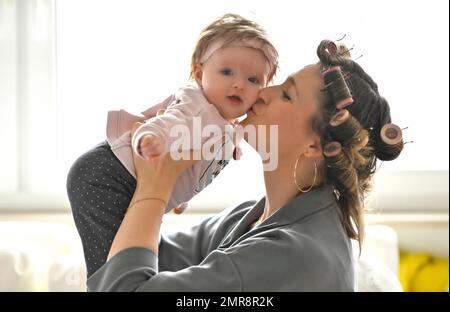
99,190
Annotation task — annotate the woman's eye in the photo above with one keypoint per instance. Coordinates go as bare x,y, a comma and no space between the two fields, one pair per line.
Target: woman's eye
286,96
253,80
226,72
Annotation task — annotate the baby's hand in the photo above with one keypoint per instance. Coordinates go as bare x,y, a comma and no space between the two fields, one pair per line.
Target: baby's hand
151,147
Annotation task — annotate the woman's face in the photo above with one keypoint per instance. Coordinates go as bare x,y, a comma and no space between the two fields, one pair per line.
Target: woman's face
290,106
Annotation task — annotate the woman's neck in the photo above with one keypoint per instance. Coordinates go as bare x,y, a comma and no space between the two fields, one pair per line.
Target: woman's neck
280,189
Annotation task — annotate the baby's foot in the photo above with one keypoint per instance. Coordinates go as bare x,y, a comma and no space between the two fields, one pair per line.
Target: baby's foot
151,147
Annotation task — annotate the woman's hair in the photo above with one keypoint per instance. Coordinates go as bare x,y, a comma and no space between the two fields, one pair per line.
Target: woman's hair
231,28
351,136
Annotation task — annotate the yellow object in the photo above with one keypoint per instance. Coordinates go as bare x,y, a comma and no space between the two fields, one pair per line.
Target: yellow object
422,272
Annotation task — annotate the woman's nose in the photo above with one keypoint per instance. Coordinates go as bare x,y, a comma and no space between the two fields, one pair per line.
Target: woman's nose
264,96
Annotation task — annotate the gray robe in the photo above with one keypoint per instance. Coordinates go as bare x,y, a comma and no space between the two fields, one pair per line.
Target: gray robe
301,247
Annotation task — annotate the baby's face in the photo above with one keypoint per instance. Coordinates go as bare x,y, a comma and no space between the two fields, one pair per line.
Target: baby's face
231,79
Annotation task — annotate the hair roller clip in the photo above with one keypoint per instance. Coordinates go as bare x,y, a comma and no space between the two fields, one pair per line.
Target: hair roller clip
332,149
342,38
391,134
339,118
336,85
331,69
344,103
331,47
344,52
362,143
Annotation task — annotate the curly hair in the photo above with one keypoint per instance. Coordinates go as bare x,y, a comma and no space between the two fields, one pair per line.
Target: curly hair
351,170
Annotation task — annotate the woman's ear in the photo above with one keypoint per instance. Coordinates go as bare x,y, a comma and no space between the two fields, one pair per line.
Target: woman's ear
314,149
198,74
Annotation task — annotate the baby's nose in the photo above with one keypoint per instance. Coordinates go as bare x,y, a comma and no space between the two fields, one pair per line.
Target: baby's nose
238,84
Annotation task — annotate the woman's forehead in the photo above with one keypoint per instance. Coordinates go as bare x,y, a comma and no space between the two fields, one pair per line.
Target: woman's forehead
309,83
308,77
312,70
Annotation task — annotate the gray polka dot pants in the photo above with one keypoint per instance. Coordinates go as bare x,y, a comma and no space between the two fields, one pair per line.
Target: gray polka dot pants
99,190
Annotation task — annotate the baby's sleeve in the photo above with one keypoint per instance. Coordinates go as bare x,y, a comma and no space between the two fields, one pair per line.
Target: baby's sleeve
189,102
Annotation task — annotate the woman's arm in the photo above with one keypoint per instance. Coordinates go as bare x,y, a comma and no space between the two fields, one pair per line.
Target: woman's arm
141,224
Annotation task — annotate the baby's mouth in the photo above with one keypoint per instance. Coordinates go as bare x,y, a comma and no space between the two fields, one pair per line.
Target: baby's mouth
235,98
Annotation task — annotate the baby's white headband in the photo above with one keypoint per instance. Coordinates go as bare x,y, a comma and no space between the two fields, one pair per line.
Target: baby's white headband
268,52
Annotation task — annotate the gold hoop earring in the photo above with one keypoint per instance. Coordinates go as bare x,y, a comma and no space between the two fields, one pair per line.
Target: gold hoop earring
295,176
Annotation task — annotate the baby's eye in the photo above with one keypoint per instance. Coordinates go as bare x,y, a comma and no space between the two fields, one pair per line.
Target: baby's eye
286,96
253,80
226,71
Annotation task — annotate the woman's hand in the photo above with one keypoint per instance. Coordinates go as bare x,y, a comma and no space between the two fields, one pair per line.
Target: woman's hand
159,172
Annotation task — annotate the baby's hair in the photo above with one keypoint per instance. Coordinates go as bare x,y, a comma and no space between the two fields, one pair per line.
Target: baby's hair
232,28
357,130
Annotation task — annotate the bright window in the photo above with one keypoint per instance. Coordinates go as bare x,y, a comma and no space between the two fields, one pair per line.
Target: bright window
64,64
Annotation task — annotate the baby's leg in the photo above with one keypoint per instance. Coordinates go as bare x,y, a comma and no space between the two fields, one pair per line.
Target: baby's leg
100,190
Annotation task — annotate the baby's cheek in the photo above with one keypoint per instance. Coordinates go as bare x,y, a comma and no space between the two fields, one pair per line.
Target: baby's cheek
254,95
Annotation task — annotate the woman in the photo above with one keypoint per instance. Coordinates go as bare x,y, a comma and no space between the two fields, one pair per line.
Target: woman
297,238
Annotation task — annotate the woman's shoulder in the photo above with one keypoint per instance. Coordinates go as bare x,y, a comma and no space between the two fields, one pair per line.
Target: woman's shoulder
311,240
292,261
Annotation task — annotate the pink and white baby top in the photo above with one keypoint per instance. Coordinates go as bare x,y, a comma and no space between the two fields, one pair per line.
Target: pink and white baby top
184,107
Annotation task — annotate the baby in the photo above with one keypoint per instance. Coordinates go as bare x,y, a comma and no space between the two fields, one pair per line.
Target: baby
232,61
